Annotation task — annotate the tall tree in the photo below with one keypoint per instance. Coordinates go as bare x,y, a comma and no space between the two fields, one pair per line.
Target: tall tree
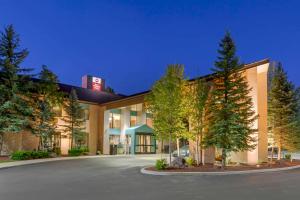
166,103
15,109
74,119
283,112
47,98
198,93
231,108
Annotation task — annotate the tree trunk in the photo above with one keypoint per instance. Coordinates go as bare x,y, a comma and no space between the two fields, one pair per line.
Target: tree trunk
197,150
223,158
170,150
178,148
272,154
41,143
161,146
279,153
201,151
1,142
202,156
72,135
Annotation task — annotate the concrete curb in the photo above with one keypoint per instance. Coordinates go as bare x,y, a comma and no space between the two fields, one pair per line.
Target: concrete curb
30,162
155,173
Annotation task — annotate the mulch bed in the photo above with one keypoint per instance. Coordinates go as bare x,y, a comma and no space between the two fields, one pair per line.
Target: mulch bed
241,167
4,158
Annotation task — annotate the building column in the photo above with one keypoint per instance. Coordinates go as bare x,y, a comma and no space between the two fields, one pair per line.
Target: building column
125,124
105,133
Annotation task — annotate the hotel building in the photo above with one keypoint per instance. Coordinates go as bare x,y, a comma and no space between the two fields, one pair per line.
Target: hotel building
119,124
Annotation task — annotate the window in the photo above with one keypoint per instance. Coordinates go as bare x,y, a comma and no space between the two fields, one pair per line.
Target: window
145,143
114,120
133,118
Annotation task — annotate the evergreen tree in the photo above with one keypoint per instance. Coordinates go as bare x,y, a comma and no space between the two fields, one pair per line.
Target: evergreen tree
283,112
74,119
46,99
166,103
197,97
231,108
109,90
15,85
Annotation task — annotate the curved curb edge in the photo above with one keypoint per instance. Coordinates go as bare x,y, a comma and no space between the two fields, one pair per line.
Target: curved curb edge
156,173
46,160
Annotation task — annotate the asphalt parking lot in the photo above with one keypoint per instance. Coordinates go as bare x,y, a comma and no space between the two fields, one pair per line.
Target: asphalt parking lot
120,178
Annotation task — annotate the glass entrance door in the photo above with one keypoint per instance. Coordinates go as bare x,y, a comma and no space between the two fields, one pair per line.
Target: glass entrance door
144,144
114,141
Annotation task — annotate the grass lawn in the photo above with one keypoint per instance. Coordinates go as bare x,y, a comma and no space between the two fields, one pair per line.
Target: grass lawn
5,161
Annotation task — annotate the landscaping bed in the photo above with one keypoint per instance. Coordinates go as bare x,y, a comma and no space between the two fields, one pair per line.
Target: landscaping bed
240,167
5,159
33,155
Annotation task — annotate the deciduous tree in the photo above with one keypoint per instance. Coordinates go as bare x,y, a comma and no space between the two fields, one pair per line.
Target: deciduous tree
197,99
166,103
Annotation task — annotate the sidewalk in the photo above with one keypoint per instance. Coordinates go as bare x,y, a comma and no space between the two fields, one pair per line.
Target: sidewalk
29,162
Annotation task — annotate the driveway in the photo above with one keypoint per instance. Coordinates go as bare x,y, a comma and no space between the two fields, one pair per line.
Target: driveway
120,178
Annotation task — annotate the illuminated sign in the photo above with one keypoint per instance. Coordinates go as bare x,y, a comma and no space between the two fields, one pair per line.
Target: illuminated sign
96,84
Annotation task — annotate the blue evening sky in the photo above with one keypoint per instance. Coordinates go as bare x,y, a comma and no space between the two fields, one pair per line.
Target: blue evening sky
129,43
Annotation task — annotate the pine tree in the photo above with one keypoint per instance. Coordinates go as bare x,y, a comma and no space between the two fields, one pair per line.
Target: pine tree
46,98
74,119
198,93
109,90
231,109
15,109
166,103
283,112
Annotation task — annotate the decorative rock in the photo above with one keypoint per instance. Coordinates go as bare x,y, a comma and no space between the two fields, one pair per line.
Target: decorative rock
179,162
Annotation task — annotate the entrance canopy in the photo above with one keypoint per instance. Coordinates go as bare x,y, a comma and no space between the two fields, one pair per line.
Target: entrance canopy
139,129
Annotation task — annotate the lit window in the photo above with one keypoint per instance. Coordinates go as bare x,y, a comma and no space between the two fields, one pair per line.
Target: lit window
114,120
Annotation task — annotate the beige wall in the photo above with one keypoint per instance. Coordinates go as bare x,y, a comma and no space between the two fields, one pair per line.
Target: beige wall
93,129
19,141
257,80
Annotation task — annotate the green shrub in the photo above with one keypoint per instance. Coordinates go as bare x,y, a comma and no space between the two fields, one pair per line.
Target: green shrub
161,164
21,155
288,156
57,150
75,152
27,155
190,161
84,149
78,151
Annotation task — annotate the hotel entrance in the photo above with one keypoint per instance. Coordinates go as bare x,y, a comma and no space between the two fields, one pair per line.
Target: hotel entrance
144,143
142,140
